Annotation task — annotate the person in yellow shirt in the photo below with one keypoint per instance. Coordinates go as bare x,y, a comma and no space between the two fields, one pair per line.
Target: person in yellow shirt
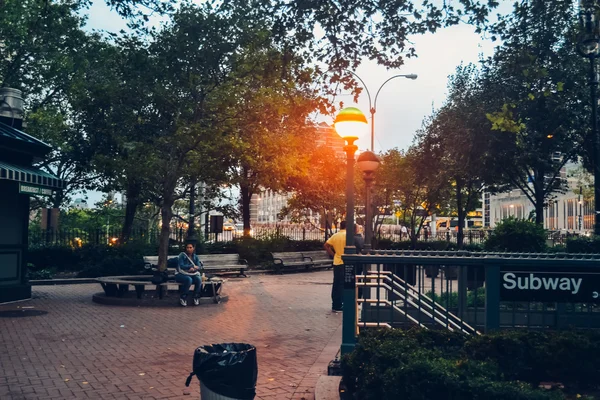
335,248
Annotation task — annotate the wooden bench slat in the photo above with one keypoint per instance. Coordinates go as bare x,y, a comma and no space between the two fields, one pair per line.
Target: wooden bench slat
290,259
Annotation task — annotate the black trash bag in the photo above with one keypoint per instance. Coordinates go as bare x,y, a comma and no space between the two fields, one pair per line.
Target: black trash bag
228,369
159,277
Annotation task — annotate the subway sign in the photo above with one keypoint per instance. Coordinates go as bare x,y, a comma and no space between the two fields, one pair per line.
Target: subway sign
562,287
34,190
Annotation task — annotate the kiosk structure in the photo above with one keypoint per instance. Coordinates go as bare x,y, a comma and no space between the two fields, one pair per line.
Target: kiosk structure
19,179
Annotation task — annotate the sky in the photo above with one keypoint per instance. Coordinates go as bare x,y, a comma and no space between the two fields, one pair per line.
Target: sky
402,104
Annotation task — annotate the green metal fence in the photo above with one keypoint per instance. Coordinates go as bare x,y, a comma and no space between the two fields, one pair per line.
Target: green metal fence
471,292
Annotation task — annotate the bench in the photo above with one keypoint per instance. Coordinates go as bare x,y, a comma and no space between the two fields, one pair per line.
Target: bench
118,286
212,262
320,258
290,259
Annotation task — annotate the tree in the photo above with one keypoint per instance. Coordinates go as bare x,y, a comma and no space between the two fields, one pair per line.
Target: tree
535,76
340,34
270,127
44,53
414,180
321,189
460,133
221,107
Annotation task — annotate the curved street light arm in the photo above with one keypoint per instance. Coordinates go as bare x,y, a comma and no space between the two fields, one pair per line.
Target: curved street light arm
383,84
364,86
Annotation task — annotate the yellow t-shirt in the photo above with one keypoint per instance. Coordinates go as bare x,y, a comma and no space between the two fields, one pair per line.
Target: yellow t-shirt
338,241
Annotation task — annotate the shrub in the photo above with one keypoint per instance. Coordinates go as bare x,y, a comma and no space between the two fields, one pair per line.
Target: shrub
428,365
102,260
450,300
115,264
583,244
517,235
569,357
59,258
35,273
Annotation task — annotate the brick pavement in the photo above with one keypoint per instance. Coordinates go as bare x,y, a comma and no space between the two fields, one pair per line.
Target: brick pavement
79,349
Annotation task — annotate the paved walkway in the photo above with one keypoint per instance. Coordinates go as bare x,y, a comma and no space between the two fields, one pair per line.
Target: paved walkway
81,350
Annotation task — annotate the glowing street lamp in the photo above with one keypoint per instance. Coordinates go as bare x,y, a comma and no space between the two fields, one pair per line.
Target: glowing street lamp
368,162
350,123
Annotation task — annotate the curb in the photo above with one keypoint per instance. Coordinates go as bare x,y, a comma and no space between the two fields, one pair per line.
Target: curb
170,301
64,281
328,388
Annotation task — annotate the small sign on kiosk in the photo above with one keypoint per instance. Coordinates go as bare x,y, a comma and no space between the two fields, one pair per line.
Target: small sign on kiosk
349,277
26,188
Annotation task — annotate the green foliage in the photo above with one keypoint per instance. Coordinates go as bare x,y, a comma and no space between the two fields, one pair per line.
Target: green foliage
517,235
92,260
104,260
425,364
583,244
35,273
571,358
59,258
450,300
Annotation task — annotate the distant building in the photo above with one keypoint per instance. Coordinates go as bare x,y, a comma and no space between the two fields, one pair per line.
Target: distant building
80,204
567,211
330,138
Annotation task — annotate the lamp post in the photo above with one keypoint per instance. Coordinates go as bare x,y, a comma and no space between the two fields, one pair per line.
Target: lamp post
588,47
348,124
373,105
368,162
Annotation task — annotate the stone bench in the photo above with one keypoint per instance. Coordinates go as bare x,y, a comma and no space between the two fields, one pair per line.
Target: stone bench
118,286
213,262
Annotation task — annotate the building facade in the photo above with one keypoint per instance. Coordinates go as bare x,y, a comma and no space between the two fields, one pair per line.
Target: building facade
566,212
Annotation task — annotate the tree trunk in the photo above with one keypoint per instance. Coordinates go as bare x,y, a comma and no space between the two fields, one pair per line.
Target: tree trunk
539,209
133,201
539,197
246,196
461,214
413,233
166,213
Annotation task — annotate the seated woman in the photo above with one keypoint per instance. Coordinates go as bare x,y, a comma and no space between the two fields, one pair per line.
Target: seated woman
189,270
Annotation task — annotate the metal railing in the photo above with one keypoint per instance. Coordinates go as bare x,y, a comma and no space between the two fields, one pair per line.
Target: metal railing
75,236
78,237
473,292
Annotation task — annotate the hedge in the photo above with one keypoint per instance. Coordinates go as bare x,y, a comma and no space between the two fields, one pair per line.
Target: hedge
92,261
508,365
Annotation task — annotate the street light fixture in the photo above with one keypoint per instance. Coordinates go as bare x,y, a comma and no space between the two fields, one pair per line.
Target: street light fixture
373,105
368,162
350,123
589,47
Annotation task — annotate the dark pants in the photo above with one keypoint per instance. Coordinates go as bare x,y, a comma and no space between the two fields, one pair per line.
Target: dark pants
187,281
337,291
